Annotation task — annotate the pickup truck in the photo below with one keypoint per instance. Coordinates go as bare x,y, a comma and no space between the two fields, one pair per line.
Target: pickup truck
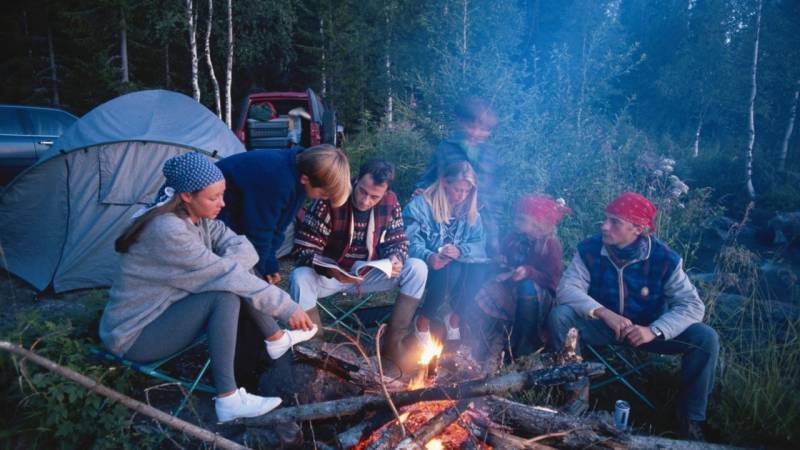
264,121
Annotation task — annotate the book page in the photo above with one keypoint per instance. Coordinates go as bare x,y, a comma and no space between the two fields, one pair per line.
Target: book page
361,268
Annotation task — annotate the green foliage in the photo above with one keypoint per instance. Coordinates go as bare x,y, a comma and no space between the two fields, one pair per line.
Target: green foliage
759,367
402,145
44,410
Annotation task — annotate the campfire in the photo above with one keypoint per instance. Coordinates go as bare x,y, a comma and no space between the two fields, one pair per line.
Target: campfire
428,365
442,406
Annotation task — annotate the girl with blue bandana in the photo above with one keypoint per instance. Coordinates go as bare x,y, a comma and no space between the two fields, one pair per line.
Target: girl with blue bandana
183,274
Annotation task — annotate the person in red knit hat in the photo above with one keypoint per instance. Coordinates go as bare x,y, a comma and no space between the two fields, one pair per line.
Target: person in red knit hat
520,297
625,287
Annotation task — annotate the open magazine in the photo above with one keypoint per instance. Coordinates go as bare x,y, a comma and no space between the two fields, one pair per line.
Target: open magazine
359,269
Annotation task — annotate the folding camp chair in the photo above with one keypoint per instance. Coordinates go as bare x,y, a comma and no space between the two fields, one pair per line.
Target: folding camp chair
153,369
349,318
624,369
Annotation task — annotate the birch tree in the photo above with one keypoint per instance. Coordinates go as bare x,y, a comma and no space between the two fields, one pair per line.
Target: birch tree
789,128
123,47
209,63
53,66
229,67
191,19
751,117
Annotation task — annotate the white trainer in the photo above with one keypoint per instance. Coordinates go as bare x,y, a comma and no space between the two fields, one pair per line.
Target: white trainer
241,404
277,348
453,333
424,337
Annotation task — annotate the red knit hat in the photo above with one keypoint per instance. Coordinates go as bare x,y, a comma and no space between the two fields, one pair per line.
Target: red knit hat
542,208
634,208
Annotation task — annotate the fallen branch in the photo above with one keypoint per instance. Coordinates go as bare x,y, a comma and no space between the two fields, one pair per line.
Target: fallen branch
506,384
499,439
149,411
658,443
433,427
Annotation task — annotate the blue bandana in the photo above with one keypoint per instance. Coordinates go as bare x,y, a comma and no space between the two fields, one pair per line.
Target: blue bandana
188,172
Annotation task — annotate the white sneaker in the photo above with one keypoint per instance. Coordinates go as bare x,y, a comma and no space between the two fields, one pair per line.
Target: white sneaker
241,404
453,333
277,348
424,337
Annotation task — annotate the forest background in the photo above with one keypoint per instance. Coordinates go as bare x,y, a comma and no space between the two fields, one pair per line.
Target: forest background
691,102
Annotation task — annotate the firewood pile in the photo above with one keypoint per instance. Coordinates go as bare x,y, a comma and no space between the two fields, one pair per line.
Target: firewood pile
446,401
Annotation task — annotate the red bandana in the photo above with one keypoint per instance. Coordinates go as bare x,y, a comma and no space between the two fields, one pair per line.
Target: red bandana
633,208
542,208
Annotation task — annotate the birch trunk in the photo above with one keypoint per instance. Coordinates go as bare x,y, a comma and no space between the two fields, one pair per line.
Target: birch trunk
751,121
323,57
123,48
167,78
464,34
789,129
696,147
388,65
209,63
192,21
229,68
53,66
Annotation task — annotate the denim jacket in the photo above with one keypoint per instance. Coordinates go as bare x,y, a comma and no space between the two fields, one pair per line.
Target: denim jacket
425,236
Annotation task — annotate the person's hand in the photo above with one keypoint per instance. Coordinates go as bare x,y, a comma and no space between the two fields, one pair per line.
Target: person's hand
437,261
273,278
300,320
340,277
637,335
617,323
450,251
397,265
519,273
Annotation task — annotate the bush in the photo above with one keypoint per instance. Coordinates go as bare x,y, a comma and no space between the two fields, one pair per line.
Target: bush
403,145
43,410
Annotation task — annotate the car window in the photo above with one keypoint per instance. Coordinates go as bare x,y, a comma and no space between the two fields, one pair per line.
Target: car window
9,122
47,122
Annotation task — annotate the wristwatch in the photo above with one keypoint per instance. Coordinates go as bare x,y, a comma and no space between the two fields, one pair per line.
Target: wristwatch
659,334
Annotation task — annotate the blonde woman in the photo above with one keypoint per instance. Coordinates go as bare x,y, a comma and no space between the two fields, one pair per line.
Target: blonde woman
444,229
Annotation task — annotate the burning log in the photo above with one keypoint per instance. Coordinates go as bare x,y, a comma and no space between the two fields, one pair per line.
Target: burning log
434,426
326,359
509,383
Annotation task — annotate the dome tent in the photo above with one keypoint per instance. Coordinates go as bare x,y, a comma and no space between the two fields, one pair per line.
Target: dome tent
60,217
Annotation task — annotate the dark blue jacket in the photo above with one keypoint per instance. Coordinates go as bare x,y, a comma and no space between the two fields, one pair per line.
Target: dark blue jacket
262,196
643,280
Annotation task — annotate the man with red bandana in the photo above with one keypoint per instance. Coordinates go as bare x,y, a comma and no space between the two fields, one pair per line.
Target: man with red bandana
625,287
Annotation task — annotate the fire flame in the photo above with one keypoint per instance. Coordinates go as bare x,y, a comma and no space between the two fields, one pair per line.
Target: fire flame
432,349
434,444
403,417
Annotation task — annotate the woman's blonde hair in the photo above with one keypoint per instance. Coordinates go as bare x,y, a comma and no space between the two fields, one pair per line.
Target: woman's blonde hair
131,234
327,167
437,198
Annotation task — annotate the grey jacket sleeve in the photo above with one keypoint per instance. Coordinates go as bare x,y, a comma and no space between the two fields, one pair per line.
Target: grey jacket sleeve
574,287
228,244
201,270
684,306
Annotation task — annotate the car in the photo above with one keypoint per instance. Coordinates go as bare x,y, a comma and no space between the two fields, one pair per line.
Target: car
266,120
26,132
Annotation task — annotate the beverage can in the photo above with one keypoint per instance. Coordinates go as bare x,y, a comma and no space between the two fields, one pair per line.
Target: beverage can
622,411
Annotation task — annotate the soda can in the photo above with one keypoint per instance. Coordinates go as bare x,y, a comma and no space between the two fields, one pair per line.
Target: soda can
622,411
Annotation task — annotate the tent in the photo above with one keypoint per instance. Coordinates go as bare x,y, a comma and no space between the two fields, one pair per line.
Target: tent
60,217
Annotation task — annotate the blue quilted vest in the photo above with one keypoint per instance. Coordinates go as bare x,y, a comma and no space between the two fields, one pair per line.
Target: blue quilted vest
641,281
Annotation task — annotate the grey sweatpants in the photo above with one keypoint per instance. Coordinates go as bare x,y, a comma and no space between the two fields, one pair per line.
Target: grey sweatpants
213,313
